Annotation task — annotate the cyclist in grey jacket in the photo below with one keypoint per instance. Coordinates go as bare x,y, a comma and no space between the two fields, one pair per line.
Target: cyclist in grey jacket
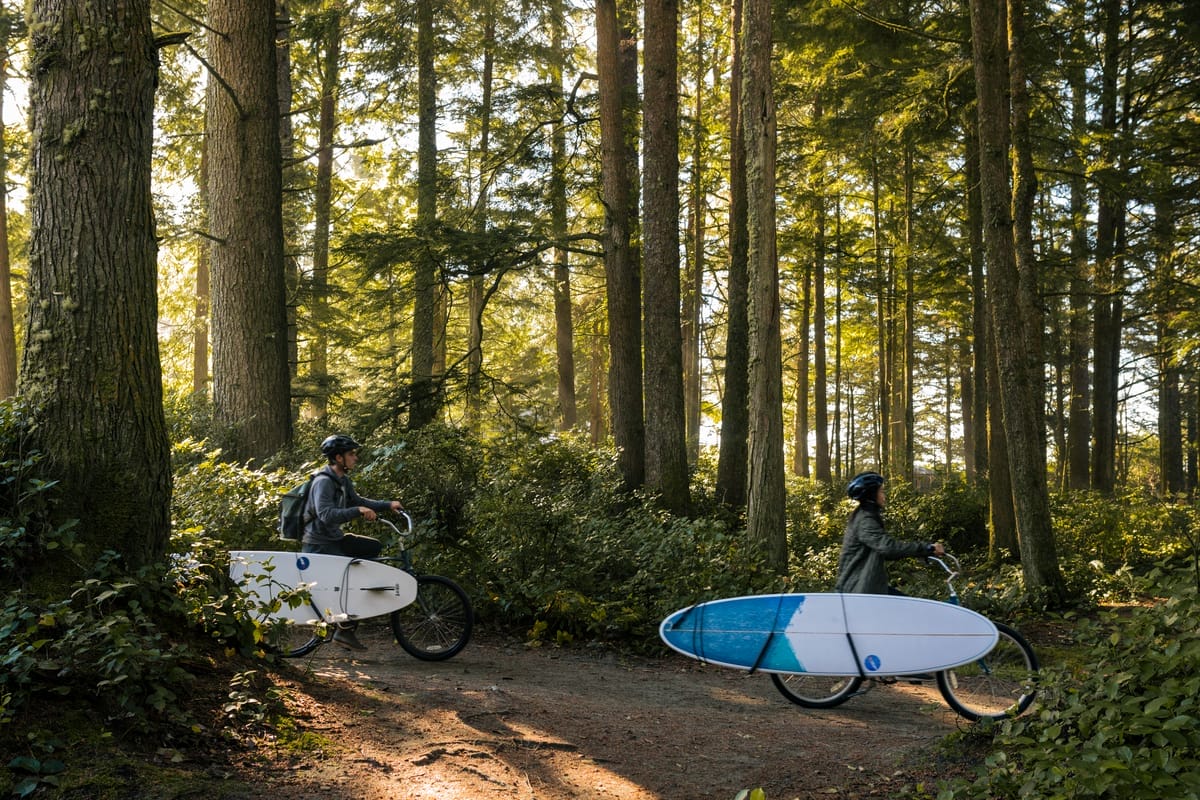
332,502
866,546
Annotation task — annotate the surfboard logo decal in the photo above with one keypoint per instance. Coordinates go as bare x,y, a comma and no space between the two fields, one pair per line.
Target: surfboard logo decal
872,663
302,563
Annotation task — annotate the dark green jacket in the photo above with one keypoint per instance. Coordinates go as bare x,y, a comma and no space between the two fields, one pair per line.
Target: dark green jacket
865,549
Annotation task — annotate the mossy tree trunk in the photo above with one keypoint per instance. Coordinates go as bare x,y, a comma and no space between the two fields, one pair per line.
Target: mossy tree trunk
91,362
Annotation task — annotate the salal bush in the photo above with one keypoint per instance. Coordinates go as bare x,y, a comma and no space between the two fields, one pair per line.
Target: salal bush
1124,723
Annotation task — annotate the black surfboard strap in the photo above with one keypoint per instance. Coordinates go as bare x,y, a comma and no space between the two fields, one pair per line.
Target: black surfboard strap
850,640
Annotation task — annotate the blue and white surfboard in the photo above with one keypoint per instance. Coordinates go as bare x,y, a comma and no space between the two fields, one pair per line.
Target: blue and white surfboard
830,634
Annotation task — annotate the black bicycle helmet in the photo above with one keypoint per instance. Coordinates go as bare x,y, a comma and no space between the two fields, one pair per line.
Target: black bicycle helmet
337,444
864,485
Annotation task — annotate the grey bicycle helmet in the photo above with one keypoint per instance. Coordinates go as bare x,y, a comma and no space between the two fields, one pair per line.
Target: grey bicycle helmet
338,443
864,485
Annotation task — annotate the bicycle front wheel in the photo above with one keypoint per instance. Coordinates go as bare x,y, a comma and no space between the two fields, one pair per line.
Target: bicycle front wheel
816,691
437,625
1003,683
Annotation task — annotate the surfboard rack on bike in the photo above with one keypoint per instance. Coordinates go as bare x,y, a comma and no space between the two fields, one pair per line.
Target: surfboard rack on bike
430,616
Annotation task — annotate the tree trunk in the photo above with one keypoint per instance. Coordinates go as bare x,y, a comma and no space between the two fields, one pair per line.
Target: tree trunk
8,337
290,204
475,301
821,463
1109,263
251,386
1079,425
425,401
203,291
615,43
318,357
981,349
1002,539
1170,409
1020,390
693,288
91,361
905,381
1024,196
800,455
666,437
883,445
732,461
564,331
765,518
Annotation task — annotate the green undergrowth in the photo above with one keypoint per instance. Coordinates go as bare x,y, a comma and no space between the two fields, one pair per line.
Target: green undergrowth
167,660
1122,719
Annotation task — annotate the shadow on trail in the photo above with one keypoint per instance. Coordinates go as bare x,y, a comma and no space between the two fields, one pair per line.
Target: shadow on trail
501,721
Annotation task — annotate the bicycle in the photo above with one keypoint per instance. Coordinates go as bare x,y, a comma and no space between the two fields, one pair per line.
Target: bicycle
434,627
1001,684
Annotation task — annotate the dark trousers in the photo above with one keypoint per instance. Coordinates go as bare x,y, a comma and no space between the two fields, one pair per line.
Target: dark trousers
350,544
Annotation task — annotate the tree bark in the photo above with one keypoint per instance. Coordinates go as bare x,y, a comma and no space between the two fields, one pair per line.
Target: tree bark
251,386
1109,303
693,287
1020,390
424,400
666,437
765,518
475,300
821,463
800,454
8,336
1170,408
981,349
564,332
1079,424
732,460
91,361
615,43
290,179
318,359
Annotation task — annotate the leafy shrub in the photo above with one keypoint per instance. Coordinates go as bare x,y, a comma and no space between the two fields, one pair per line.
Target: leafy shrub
102,644
816,515
27,531
1128,528
1123,724
234,505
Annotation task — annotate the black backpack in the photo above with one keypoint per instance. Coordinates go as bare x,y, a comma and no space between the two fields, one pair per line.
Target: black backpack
293,510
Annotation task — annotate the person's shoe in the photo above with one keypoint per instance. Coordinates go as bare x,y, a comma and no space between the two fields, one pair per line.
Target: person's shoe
920,677
347,638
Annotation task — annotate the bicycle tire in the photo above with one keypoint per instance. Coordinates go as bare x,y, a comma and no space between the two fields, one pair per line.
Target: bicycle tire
1001,684
437,625
816,691
290,640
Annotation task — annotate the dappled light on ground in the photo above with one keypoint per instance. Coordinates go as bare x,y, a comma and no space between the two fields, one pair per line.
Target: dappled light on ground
501,721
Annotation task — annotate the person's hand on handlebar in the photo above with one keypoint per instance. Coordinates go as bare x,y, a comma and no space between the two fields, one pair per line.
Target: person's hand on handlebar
937,549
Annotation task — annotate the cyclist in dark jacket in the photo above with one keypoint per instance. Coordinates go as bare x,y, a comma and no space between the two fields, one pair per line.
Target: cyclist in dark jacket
867,547
332,503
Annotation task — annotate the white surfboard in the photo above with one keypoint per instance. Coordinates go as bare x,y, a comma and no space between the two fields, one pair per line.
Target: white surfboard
340,588
831,634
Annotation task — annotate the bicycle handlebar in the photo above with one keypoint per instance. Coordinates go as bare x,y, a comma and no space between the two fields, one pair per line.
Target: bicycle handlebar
951,572
408,520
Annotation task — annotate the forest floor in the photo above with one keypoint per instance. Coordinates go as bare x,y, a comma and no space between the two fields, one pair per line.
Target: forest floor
503,721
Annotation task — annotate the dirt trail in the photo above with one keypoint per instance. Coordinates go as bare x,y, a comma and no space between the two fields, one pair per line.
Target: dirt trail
502,721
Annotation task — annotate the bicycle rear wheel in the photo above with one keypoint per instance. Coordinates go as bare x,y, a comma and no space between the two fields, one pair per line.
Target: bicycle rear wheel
290,640
1003,683
437,625
816,691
